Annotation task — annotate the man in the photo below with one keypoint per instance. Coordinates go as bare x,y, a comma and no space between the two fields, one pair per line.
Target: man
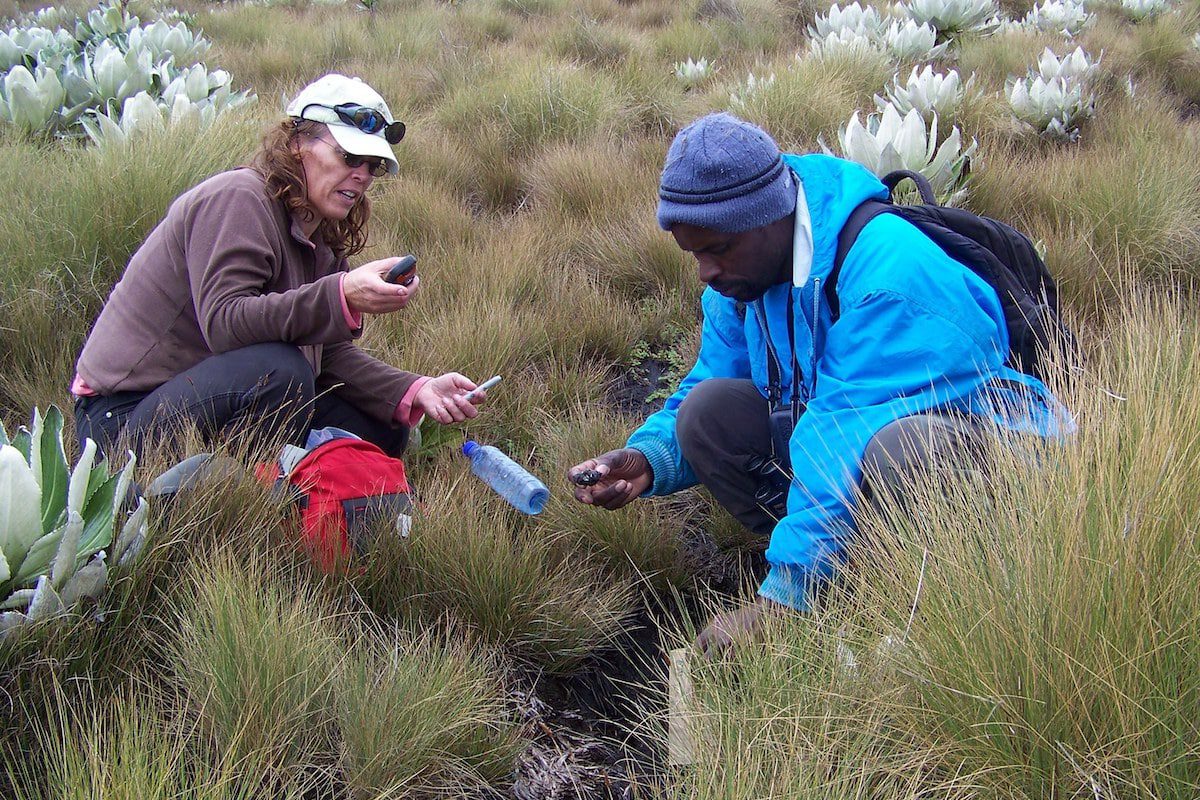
911,369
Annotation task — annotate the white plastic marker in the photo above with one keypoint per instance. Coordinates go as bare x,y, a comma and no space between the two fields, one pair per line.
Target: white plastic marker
681,705
483,387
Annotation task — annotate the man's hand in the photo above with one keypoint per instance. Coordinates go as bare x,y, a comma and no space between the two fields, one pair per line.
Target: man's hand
729,629
368,293
444,398
623,475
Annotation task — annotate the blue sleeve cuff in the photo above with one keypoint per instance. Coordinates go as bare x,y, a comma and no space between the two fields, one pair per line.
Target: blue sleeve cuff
661,462
789,586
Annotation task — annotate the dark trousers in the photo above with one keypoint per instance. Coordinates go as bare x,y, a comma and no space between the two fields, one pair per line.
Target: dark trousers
265,391
722,427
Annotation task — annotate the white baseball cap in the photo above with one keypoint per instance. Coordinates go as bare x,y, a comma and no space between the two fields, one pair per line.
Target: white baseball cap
321,101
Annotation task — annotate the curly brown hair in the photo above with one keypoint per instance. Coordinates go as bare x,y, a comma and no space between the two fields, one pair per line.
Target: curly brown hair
278,161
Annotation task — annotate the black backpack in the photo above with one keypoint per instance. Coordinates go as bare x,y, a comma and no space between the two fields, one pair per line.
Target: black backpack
1001,255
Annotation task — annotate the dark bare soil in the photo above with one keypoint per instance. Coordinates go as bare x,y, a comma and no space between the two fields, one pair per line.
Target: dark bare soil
596,734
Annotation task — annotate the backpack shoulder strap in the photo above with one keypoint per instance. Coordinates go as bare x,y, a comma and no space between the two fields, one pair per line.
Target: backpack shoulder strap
858,219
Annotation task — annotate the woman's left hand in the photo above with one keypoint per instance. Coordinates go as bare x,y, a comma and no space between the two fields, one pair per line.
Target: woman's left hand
444,398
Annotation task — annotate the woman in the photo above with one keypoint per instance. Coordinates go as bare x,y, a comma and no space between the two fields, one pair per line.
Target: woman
239,309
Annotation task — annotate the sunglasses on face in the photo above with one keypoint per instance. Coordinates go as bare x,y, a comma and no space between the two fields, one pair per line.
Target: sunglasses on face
375,165
366,119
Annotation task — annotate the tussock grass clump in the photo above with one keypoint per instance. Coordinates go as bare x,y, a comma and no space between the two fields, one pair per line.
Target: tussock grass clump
588,41
1158,51
100,204
531,104
603,326
688,38
501,339
994,58
432,155
471,560
421,718
1125,197
532,8
130,744
528,304
809,712
485,24
637,258
259,661
728,30
1054,642
811,97
593,183
421,215
279,58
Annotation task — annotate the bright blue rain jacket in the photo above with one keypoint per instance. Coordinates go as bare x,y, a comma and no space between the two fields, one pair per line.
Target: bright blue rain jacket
916,331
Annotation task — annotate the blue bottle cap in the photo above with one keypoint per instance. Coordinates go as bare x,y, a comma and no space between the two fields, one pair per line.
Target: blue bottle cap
469,447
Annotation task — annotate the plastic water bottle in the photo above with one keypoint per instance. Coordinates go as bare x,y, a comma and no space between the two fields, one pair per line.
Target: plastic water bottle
510,480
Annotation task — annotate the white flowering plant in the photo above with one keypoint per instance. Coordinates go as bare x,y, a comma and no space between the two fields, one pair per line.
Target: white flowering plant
1055,108
692,73
952,17
1076,65
60,80
1059,16
889,141
846,42
867,21
1139,10
1055,98
751,88
910,41
930,93
55,525
858,29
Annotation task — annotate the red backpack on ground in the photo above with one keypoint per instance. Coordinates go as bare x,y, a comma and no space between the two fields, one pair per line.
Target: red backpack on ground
347,491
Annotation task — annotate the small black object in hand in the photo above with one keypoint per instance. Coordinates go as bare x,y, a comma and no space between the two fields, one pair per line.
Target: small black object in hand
402,271
586,477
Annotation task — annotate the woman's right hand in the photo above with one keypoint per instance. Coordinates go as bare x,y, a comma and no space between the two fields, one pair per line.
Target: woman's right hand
444,398
625,475
367,292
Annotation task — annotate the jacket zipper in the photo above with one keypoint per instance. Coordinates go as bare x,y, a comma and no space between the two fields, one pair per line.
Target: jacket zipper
812,342
760,315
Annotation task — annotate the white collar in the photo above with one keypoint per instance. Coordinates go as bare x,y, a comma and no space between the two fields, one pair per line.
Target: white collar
802,239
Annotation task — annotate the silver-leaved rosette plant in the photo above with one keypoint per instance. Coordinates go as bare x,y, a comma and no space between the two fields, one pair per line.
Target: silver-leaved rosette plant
930,93
889,141
58,528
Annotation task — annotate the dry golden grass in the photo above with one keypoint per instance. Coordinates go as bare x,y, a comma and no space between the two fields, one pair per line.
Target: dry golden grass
1053,649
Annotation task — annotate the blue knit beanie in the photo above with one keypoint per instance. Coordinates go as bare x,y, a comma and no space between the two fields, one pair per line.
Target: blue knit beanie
724,174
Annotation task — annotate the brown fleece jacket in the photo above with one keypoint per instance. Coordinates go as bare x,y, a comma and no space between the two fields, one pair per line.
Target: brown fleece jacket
226,268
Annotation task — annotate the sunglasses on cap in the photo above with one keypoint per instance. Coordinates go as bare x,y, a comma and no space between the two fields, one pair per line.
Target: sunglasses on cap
366,119
375,165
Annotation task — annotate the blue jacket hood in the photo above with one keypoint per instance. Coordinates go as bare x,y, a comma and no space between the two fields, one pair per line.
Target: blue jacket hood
833,188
